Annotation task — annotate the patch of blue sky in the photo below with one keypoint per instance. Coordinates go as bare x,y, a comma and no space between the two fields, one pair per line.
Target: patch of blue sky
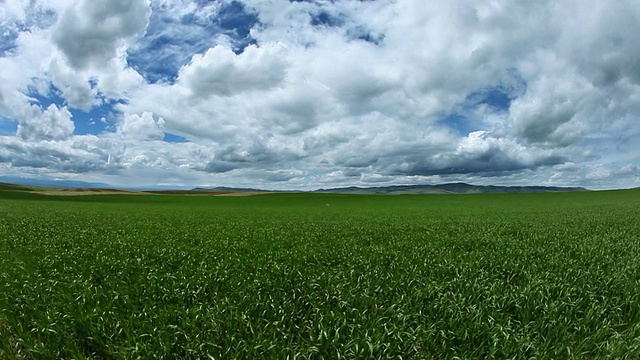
460,124
511,86
462,121
498,98
8,38
235,18
173,138
361,33
324,18
97,120
92,122
7,126
170,42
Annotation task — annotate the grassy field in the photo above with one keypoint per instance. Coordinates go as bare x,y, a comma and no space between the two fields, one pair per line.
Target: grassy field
320,276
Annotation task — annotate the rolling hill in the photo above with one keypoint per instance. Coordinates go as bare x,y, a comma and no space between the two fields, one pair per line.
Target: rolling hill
449,188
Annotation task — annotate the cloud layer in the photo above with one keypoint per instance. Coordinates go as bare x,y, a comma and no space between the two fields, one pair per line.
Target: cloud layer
306,94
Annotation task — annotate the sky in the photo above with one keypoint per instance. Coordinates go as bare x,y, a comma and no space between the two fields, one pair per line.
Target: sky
307,94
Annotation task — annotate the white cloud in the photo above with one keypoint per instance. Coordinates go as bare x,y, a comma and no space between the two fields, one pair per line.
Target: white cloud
74,86
221,72
370,96
142,127
19,71
13,10
91,33
51,124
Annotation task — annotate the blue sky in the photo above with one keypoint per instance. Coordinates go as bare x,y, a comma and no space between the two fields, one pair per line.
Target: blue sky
100,119
159,53
307,94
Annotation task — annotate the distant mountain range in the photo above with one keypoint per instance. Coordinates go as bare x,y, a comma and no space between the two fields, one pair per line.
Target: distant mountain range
225,188
51,183
219,190
449,188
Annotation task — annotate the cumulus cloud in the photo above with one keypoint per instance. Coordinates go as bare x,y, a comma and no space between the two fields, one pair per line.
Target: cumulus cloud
221,72
142,127
75,88
305,93
91,33
51,124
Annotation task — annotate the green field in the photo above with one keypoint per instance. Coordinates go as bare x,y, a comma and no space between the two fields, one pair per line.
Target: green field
320,276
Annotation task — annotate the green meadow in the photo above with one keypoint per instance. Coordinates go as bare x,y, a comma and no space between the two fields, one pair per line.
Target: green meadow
313,276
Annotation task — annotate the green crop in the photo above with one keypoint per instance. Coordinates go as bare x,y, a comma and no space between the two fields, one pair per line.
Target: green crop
320,276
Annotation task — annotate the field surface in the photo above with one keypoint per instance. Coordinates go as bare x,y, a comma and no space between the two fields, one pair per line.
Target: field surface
320,276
